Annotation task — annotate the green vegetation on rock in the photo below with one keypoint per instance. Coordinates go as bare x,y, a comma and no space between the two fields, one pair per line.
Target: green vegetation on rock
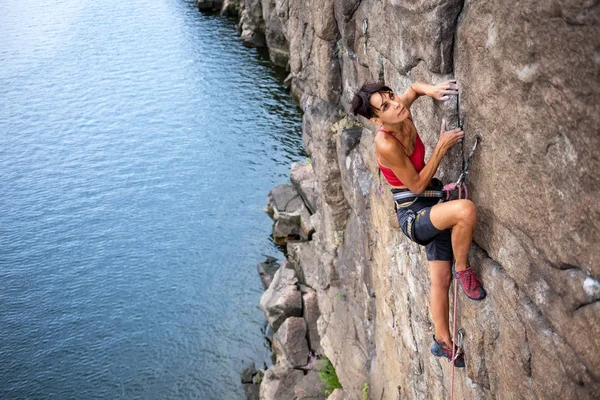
328,376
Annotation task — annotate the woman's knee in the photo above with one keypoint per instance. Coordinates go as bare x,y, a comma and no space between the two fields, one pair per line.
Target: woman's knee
468,212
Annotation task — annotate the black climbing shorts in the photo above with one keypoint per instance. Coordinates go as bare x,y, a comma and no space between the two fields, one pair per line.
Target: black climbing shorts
416,224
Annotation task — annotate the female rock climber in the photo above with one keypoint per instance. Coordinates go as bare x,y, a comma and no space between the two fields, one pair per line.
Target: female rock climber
445,229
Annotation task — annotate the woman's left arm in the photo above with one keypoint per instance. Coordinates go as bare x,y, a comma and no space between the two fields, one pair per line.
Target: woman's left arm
439,92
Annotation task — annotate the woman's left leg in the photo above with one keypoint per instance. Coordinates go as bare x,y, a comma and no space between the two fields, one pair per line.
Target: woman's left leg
441,276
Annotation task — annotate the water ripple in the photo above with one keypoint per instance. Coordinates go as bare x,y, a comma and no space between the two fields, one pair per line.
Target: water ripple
138,142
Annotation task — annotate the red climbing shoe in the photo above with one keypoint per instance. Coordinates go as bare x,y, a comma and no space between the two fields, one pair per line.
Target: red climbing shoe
440,349
470,283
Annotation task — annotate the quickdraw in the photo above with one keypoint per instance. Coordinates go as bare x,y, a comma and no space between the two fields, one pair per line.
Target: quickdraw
460,184
459,344
365,27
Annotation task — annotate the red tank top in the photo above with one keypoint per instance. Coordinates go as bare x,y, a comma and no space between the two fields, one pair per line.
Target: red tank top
417,158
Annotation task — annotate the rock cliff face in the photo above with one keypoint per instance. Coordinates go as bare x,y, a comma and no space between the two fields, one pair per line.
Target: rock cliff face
528,73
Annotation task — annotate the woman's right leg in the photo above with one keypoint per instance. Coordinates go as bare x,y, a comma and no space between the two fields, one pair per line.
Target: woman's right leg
460,216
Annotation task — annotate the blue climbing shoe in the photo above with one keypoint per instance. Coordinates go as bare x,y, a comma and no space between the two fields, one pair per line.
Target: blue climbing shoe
440,349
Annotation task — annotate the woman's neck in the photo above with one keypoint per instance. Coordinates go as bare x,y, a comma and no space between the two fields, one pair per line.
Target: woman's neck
400,129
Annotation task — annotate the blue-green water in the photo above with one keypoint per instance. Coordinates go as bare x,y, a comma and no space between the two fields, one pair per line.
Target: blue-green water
138,141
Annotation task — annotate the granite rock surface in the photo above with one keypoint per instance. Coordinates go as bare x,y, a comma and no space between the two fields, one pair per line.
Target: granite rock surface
528,73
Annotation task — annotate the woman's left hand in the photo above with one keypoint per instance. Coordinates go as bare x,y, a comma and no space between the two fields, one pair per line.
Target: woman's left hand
442,90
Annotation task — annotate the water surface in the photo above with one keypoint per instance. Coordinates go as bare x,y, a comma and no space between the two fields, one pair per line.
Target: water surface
138,141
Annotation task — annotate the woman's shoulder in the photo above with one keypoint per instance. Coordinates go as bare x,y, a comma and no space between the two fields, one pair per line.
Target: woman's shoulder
383,141
388,147
383,137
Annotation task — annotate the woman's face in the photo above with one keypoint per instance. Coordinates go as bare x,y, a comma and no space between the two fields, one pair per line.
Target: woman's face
388,108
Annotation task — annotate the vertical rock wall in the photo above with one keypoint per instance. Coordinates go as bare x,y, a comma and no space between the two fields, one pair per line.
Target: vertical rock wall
528,72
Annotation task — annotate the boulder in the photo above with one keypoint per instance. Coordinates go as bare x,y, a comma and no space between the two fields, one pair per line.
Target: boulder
337,394
209,5
303,178
252,24
305,259
279,382
258,378
252,391
282,299
283,198
290,215
291,341
248,373
310,387
311,315
230,8
266,270
291,226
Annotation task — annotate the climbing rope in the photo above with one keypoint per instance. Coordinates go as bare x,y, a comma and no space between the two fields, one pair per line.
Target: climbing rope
460,185
457,348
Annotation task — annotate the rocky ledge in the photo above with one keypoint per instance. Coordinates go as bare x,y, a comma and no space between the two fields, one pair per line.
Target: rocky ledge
292,311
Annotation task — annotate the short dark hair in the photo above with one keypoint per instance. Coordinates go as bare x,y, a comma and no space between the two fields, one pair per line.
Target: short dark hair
361,103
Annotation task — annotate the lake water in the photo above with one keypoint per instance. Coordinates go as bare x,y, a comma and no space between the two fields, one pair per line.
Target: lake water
138,142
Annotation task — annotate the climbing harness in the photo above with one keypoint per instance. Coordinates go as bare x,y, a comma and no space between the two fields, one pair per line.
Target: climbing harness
404,198
406,195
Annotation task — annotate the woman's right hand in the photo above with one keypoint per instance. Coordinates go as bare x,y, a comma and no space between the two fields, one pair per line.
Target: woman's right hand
449,138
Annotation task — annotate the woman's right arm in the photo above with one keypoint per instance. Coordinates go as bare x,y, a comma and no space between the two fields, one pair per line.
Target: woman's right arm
403,168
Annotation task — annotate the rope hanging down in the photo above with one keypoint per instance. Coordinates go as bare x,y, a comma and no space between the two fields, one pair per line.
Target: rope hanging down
457,348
